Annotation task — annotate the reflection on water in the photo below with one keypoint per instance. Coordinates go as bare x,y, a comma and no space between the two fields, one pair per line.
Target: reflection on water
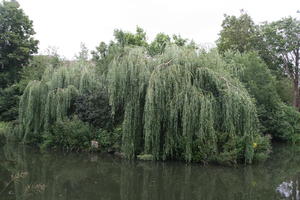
28,174
289,190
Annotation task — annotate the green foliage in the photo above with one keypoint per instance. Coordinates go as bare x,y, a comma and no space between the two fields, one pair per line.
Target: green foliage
35,69
5,129
180,104
284,87
2,139
69,134
105,54
16,42
8,131
277,119
127,38
179,41
285,124
109,140
94,108
16,48
158,45
83,54
9,99
49,100
128,78
282,40
257,78
10,96
282,37
238,34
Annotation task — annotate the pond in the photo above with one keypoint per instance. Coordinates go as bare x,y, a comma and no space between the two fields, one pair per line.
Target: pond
26,173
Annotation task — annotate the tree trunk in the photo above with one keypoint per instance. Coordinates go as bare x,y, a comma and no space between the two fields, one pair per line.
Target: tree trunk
296,97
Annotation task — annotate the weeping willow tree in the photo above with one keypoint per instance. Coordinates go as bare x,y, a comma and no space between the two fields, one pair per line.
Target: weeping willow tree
128,82
49,100
183,104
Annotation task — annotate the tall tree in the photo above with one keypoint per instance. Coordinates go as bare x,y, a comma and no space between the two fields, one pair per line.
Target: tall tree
243,35
16,41
283,40
238,34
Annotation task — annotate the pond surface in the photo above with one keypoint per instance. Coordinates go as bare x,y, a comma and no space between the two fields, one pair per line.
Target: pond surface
28,174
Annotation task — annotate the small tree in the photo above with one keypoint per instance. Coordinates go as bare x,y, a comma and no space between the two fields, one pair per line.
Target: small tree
158,45
83,53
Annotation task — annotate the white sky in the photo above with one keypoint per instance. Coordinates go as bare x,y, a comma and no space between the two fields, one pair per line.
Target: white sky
66,23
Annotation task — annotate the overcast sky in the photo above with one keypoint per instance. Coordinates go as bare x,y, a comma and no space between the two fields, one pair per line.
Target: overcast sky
66,23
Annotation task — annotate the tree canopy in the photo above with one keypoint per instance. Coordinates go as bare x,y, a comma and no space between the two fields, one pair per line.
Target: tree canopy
283,40
238,34
16,41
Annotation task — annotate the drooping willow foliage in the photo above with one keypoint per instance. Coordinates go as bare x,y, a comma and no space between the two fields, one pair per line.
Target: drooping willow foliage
128,82
183,104
49,100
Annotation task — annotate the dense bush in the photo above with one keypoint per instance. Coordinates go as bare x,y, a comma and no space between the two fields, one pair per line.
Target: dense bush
95,109
9,99
109,140
76,135
284,124
233,150
70,135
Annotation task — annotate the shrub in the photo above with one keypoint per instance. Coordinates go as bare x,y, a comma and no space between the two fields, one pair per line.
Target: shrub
9,98
70,135
94,108
261,145
285,123
109,140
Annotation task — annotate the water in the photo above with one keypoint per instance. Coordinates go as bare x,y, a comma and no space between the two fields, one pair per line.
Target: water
28,174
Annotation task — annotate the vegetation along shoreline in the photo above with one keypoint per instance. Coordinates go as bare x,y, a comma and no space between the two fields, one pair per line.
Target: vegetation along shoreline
168,99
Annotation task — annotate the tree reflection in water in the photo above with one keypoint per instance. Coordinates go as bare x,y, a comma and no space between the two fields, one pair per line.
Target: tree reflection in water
58,176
